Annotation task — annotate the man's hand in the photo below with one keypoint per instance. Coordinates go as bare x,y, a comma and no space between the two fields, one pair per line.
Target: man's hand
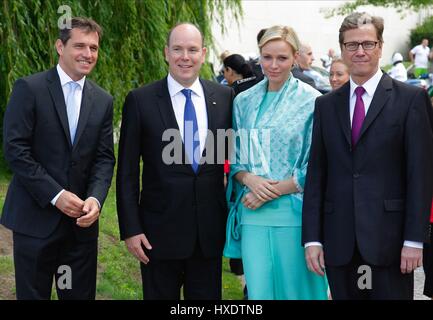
315,259
90,213
411,258
70,204
135,246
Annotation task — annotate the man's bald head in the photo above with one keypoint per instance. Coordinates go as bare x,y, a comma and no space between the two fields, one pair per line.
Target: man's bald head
184,25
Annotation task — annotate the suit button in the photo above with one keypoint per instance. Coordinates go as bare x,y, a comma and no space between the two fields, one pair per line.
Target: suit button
356,175
73,163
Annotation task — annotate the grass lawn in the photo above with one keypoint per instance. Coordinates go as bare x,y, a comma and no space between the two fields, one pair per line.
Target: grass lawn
118,272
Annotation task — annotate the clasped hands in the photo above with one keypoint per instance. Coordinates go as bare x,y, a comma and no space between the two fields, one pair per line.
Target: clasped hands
86,212
263,190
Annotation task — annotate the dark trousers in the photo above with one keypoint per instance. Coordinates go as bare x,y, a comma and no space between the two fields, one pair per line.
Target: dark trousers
38,261
200,278
428,265
387,283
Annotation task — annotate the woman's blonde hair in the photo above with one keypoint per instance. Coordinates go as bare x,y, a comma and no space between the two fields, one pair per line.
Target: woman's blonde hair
284,33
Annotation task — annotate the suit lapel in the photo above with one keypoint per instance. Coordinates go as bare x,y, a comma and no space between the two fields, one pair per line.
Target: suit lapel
165,107
210,111
381,96
343,110
56,93
86,107
168,117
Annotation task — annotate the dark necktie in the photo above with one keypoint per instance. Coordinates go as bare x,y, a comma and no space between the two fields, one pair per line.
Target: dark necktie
358,115
191,137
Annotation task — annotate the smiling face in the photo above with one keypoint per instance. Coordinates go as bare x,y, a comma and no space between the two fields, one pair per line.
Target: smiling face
78,56
363,64
185,54
338,74
277,58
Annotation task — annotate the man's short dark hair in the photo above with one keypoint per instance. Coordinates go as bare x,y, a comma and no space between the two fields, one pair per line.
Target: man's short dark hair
182,23
85,24
358,19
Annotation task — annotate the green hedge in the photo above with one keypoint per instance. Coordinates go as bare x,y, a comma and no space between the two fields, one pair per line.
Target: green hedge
131,49
422,31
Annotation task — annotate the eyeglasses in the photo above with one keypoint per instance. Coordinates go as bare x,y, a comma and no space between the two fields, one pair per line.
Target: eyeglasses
366,45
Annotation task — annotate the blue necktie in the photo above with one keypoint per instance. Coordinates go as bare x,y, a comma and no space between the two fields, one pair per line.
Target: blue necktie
191,137
71,109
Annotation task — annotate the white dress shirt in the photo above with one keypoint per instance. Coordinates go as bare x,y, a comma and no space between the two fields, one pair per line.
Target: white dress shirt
370,88
64,79
178,102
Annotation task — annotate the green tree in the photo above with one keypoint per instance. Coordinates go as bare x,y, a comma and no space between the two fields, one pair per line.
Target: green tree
422,31
131,48
400,5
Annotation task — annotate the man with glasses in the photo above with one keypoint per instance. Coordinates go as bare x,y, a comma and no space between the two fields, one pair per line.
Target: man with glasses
368,189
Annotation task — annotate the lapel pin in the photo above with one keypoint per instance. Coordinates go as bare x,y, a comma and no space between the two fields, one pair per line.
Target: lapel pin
214,103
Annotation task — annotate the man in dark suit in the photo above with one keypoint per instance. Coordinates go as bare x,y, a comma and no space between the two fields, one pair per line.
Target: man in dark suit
176,224
369,188
58,141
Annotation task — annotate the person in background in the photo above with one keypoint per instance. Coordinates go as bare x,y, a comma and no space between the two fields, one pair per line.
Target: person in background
328,58
338,74
238,73
276,116
305,61
398,71
419,56
220,77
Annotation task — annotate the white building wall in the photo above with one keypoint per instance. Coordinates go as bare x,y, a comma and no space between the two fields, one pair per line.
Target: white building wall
308,20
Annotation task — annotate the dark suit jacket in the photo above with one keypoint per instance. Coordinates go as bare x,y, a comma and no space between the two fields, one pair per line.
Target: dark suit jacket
38,149
299,74
175,206
377,194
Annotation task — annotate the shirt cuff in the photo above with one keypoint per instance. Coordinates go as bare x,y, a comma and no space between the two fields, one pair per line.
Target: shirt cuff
97,201
53,202
312,243
413,244
297,185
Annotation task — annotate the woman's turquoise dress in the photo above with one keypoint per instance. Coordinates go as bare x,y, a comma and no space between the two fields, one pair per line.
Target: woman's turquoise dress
273,141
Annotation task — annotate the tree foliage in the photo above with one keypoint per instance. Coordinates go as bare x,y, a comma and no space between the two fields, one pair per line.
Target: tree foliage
131,51
400,5
422,31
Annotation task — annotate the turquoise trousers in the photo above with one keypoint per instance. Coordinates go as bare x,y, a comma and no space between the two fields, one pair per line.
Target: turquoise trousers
275,267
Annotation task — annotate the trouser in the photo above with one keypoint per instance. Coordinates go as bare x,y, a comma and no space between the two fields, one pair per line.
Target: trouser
60,256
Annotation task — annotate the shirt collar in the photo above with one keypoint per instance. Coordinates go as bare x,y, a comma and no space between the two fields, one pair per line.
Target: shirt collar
64,78
175,87
369,86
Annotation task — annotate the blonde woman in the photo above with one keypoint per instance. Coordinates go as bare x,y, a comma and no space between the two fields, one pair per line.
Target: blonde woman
268,170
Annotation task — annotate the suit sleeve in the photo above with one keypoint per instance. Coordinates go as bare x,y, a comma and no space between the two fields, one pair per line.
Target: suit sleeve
102,170
419,168
18,127
128,170
314,185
